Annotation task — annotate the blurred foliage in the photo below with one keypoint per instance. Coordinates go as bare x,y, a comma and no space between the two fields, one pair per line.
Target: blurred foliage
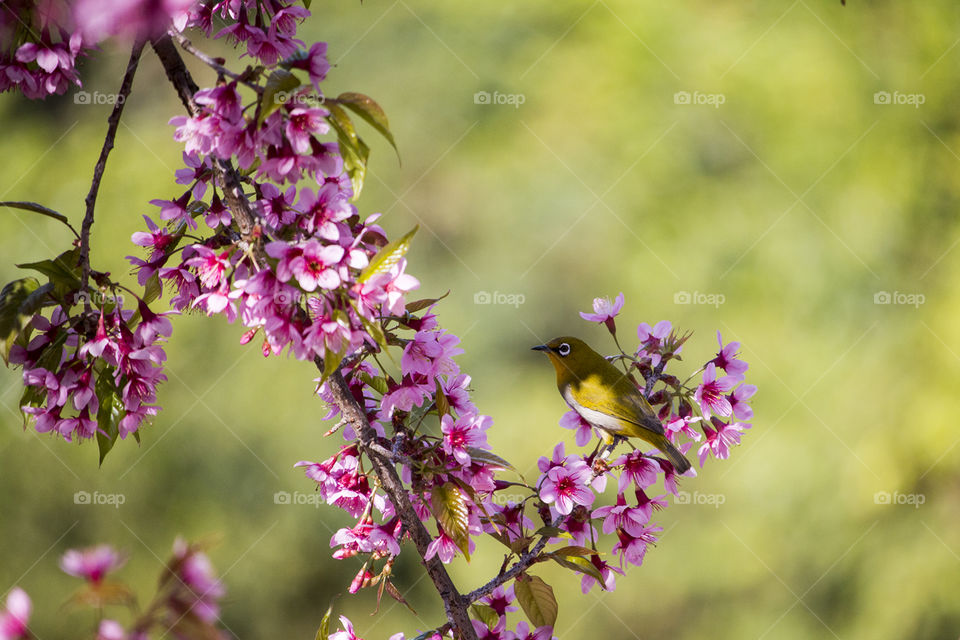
798,199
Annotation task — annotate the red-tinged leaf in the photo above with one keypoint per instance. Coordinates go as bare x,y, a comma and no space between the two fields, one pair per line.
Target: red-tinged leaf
33,207
537,600
574,550
369,110
419,305
450,509
488,458
396,595
580,565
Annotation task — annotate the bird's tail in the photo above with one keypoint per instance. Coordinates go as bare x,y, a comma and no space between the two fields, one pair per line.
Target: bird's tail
679,461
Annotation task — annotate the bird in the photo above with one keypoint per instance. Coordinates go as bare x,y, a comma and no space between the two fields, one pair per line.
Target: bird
606,397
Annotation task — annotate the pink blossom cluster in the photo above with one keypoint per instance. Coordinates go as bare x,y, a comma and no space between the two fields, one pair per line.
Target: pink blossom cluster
451,466
82,377
187,603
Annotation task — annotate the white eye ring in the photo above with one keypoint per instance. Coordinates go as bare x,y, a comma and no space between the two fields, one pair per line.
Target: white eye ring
563,349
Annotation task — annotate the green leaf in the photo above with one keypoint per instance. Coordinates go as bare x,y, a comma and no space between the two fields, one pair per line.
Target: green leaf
580,565
387,257
110,413
485,614
378,383
486,457
323,633
342,124
574,550
443,405
331,361
355,162
38,208
536,599
450,509
280,81
417,305
62,270
12,321
153,288
31,397
369,110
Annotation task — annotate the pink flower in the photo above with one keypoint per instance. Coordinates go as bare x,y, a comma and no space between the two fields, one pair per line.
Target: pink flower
621,516
210,265
633,548
738,401
524,632
176,210
501,599
727,358
718,441
302,123
443,547
13,621
157,240
198,590
606,572
315,64
653,335
347,632
711,393
605,311
677,425
111,630
466,432
92,564
431,354
637,469
584,431
567,487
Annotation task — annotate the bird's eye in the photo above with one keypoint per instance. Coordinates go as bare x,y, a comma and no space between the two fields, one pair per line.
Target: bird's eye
563,349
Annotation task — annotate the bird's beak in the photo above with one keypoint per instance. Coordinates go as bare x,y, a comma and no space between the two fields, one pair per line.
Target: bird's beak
540,347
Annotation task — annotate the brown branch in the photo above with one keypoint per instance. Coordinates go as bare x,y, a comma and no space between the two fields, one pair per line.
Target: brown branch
526,560
91,200
454,604
229,177
187,46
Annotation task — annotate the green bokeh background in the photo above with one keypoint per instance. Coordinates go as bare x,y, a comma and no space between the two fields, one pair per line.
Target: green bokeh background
797,200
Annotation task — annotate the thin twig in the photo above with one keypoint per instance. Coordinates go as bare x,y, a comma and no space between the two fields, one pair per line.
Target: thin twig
112,123
229,177
525,561
454,604
187,46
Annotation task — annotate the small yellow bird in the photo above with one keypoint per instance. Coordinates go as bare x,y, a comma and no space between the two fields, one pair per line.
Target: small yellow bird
606,397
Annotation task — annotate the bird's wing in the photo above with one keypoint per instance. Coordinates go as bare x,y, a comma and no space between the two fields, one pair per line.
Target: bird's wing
624,404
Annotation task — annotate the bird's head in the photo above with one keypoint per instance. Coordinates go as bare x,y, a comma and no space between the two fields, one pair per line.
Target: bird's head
572,358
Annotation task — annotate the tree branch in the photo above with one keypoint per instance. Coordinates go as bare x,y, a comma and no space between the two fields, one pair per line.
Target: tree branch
229,177
91,200
454,604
